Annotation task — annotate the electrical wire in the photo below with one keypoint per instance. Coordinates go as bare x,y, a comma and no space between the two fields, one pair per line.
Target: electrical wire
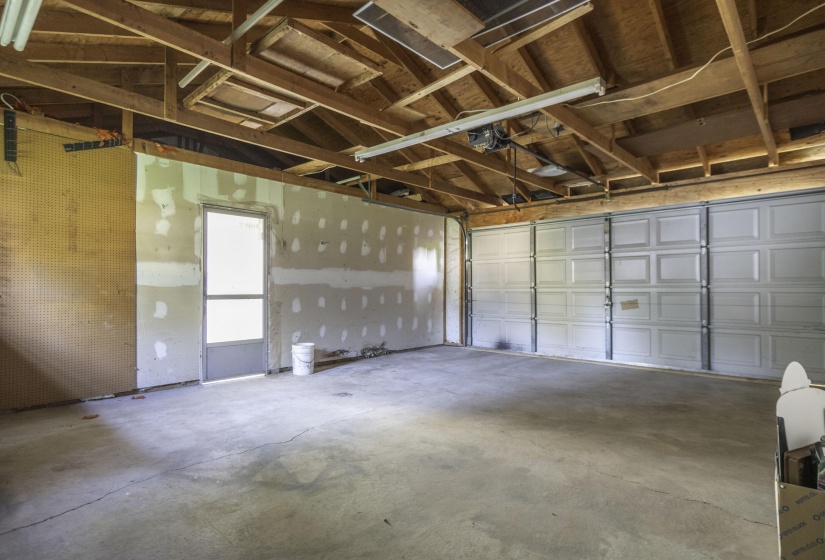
700,69
6,103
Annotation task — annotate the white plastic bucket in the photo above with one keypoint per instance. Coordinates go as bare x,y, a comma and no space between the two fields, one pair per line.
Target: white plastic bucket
303,358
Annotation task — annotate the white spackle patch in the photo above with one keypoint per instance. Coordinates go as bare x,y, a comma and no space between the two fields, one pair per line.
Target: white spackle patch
296,188
296,245
415,323
417,230
400,231
239,178
296,305
160,310
400,249
239,194
430,233
322,223
429,325
364,302
383,329
322,246
430,297
400,323
344,335
343,304
296,218
382,255
382,233
322,194
322,331
343,246
363,332
166,200
399,298
365,227
162,227
168,274
345,198
322,302
296,336
365,248
160,350
381,299
344,225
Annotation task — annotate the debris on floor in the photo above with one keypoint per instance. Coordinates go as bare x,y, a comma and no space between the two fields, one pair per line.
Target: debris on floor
91,416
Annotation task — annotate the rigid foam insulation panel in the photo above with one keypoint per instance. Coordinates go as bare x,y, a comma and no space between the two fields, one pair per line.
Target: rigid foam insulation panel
67,273
454,282
355,279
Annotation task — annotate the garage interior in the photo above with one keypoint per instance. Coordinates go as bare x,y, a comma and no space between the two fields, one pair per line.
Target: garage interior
553,256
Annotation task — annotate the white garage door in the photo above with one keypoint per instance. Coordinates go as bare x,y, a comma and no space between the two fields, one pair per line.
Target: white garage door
767,286
735,288
570,288
501,295
657,288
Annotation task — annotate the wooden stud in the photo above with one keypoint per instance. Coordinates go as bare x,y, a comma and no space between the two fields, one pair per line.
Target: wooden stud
127,124
170,85
239,11
733,27
545,29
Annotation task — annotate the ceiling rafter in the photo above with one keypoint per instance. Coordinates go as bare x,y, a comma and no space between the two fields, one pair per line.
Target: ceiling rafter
733,27
169,33
491,66
11,65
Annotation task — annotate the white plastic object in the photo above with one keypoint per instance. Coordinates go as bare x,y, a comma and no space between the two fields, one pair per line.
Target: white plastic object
303,358
802,407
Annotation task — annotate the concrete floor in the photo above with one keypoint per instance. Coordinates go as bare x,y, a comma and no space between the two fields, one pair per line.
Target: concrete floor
444,453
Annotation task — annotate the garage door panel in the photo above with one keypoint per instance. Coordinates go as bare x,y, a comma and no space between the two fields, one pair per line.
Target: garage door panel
588,339
736,308
518,304
679,307
679,268
631,270
677,230
734,226
806,350
553,338
550,240
587,271
486,274
487,246
631,306
551,304
681,345
633,343
798,220
806,264
631,234
587,237
735,349
797,309
518,335
517,274
488,302
734,266
588,305
551,272
516,243
487,332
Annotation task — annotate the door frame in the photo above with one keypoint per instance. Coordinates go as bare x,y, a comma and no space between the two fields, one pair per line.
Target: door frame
206,208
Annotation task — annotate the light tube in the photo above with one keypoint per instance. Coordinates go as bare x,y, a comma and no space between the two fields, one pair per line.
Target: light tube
11,13
248,24
24,27
596,85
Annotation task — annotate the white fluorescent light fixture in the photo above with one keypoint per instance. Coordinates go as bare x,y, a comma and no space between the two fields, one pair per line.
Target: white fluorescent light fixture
18,21
248,24
563,95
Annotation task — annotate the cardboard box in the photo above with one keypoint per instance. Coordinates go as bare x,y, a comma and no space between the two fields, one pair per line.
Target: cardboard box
800,522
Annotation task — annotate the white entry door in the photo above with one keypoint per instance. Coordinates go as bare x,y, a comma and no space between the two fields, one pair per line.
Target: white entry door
235,342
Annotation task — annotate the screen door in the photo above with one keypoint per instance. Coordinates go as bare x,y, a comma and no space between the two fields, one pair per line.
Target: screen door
234,294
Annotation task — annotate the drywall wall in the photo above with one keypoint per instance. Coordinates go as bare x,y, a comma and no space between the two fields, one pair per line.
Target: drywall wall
356,279
67,301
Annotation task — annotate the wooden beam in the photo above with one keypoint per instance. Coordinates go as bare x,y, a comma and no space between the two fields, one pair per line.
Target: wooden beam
239,11
492,67
792,57
12,65
592,161
733,27
347,131
170,85
169,33
127,123
433,86
542,30
796,177
358,37
293,8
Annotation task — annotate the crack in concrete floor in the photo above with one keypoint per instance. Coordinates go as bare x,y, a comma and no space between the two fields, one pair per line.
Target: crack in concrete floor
184,467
